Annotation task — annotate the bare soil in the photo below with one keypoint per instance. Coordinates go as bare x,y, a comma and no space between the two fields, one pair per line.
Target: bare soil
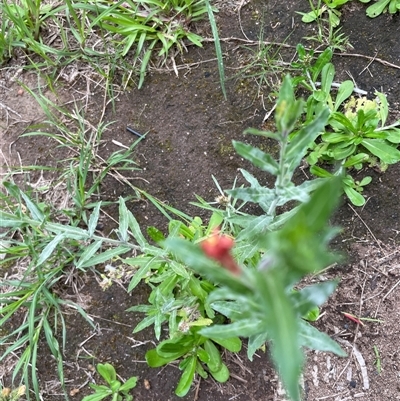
189,130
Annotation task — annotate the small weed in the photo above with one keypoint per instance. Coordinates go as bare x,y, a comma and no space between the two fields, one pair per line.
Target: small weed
7,394
114,390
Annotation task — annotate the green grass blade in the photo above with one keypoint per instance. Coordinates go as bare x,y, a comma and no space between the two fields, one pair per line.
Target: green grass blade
218,49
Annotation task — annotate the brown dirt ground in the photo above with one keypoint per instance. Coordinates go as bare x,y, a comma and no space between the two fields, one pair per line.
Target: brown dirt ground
190,128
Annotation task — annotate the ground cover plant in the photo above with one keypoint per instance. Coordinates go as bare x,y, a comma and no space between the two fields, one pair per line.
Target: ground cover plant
146,26
213,284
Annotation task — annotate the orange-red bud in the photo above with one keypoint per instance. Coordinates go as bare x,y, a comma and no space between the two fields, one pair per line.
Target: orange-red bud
218,247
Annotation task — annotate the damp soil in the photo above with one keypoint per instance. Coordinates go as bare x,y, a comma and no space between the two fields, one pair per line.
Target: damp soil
189,130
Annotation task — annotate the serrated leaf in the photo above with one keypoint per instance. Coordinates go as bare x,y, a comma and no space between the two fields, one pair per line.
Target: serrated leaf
260,159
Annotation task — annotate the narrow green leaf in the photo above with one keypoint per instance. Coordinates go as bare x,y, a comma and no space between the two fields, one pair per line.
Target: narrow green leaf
217,44
105,256
88,254
93,219
298,146
123,220
49,248
187,377
312,338
260,159
255,342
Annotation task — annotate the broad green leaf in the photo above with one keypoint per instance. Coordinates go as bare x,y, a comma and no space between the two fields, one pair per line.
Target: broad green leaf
241,328
155,361
203,355
365,181
174,348
129,384
312,338
359,158
231,344
355,197
377,8
215,362
393,137
98,396
107,372
385,152
260,159
187,377
221,375
155,234
345,90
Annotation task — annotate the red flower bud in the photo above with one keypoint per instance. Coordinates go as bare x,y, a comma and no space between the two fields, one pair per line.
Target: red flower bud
218,247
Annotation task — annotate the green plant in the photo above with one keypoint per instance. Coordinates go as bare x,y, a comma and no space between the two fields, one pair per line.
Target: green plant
201,303
356,133
114,389
7,394
330,7
328,28
259,302
197,353
381,6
